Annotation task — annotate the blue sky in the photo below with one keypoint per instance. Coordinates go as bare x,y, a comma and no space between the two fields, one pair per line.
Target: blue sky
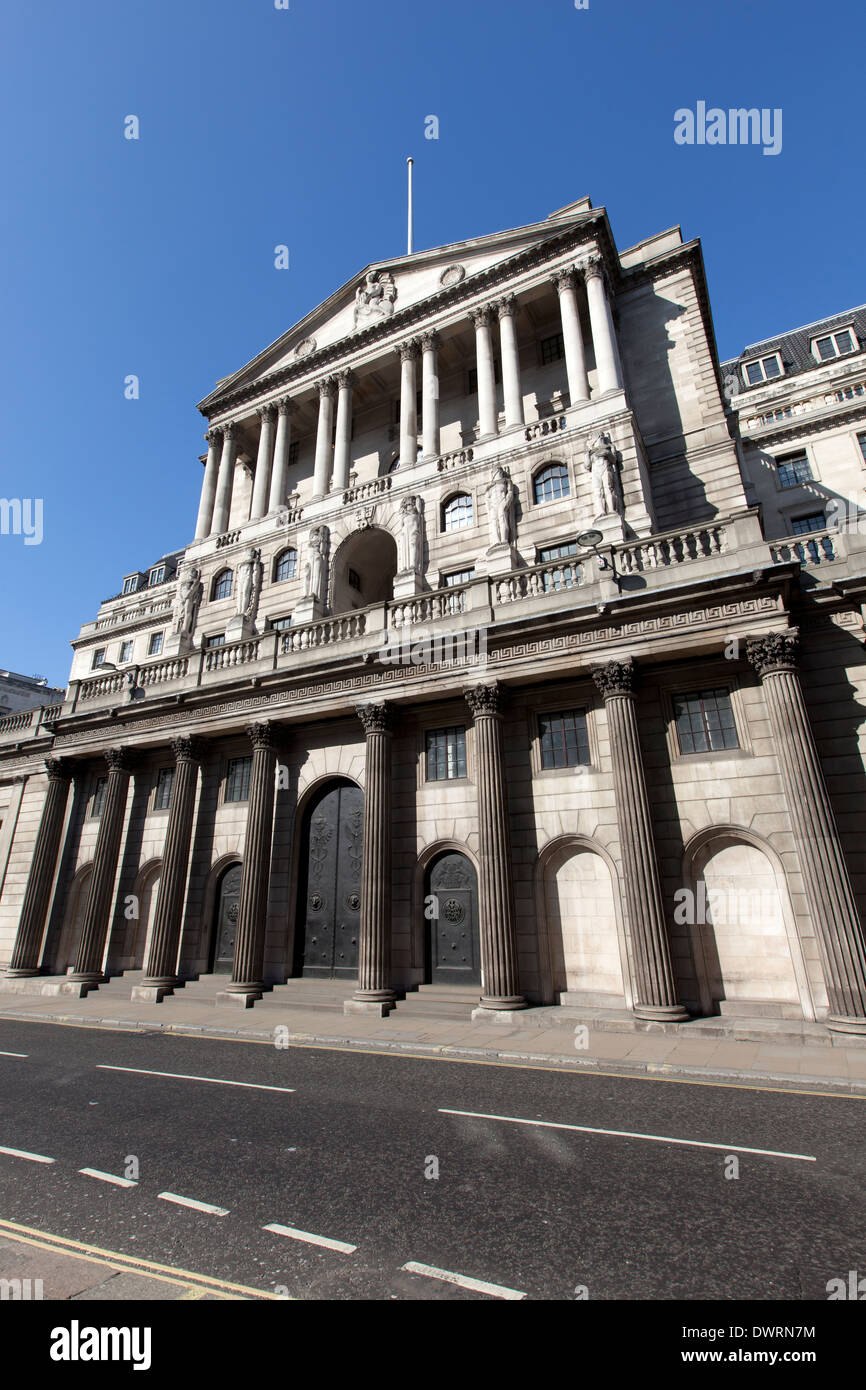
261,126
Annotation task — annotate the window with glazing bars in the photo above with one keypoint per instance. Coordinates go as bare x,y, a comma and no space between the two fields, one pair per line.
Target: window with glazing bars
98,801
164,784
794,469
564,740
446,754
238,779
705,721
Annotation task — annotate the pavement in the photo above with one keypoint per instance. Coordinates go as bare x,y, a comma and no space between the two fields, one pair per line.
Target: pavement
755,1050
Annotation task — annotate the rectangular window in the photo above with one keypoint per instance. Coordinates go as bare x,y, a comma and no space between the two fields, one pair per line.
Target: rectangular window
294,450
219,640
125,652
154,646
98,658
98,800
446,754
802,525
705,721
130,584
238,779
763,369
458,577
164,784
564,576
861,440
280,624
157,575
552,349
556,552
564,740
836,344
793,469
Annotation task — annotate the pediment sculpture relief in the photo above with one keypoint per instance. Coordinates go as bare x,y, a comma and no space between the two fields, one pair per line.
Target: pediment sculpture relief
374,298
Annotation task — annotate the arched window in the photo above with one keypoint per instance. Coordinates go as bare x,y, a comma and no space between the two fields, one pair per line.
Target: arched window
222,585
551,483
286,565
457,512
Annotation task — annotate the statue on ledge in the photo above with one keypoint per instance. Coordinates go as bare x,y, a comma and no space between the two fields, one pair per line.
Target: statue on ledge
501,498
316,568
601,463
249,585
412,534
188,601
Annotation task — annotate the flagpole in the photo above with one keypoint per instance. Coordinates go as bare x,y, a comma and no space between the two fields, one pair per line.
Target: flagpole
410,161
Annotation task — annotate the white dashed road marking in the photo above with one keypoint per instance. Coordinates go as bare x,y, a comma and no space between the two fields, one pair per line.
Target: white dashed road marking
107,1177
627,1134
22,1153
310,1238
182,1076
190,1202
476,1285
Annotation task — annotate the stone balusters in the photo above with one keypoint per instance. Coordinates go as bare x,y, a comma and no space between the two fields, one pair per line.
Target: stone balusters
31,925
500,979
654,989
825,874
246,983
98,910
374,994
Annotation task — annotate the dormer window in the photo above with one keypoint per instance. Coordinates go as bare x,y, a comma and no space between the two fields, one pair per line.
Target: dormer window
763,369
157,575
130,584
836,344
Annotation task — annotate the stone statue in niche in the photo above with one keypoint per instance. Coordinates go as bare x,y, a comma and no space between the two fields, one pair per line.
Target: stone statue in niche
501,499
374,298
249,585
601,463
188,601
412,534
316,568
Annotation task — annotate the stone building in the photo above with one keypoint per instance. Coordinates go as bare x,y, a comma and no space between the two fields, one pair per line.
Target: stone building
493,671
19,692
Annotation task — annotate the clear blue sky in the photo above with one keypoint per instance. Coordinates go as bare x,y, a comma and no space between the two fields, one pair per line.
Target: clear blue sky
261,126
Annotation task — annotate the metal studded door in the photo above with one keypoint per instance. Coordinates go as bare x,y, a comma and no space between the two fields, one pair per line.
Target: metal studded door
455,955
330,906
227,921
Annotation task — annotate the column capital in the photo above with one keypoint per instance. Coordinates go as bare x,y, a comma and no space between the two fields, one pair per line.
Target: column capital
507,306
565,279
776,651
229,431
119,760
58,769
266,413
488,698
212,437
408,351
593,266
615,678
286,406
261,735
481,316
345,378
326,386
187,749
430,339
376,717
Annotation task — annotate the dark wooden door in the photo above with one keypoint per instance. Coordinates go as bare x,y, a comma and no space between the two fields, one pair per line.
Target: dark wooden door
330,905
454,948
226,923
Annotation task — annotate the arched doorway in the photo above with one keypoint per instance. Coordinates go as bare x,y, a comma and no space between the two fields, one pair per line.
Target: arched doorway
585,948
364,569
329,886
73,920
743,930
222,952
453,948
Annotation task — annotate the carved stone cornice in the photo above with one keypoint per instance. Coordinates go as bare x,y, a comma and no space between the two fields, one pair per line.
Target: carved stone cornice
376,717
615,678
507,306
119,760
775,651
58,769
261,735
482,316
486,699
408,351
187,748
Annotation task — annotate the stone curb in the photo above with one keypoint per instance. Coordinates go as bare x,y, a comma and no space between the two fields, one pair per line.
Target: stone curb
448,1051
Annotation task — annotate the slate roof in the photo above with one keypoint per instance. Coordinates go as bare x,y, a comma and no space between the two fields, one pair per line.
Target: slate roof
794,347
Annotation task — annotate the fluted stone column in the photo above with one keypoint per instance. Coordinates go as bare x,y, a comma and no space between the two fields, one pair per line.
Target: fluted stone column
209,486
27,950
246,983
160,975
487,415
343,441
500,976
603,332
507,311
654,989
819,850
374,994
430,395
324,433
565,283
98,911
280,470
261,487
225,482
408,409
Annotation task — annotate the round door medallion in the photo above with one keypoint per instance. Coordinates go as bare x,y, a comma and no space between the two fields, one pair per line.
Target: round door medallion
315,902
453,911
232,913
353,901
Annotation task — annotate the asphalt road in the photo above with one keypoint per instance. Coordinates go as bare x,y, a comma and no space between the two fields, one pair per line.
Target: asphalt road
341,1151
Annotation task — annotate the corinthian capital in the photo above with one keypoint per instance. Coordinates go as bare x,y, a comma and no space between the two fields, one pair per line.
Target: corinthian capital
261,735
593,265
481,317
506,307
777,651
327,386
375,717
564,279
119,760
484,699
58,770
187,749
229,432
345,378
286,406
266,413
615,678
408,351
429,340
214,437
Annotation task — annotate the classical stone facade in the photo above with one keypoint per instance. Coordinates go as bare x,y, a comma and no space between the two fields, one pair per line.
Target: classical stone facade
492,668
